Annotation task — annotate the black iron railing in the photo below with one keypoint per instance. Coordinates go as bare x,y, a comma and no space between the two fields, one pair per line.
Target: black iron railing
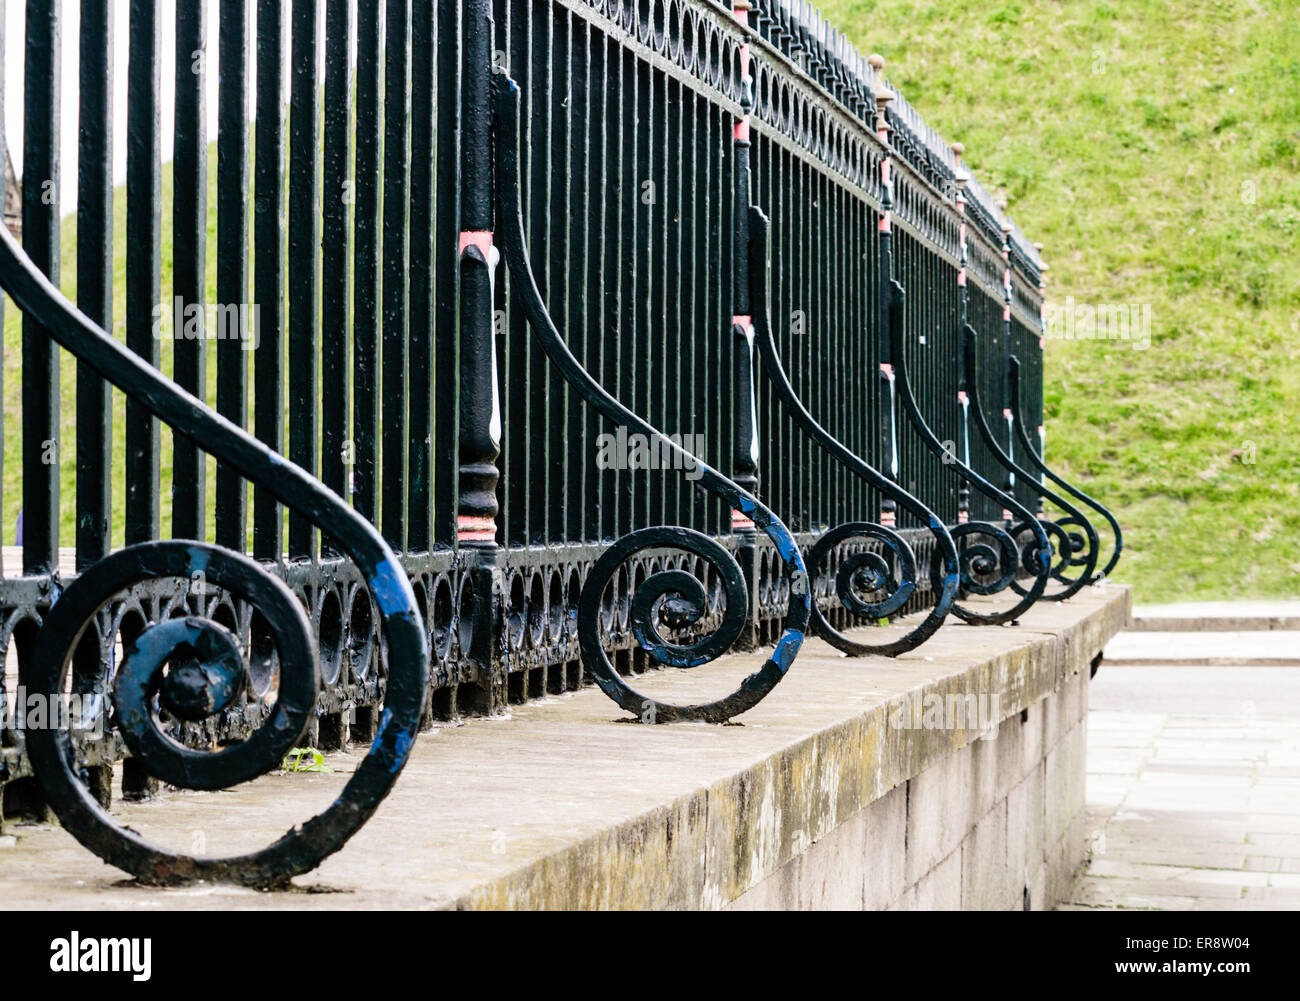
572,339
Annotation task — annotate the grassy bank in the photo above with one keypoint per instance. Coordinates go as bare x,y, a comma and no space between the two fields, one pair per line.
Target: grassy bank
1153,148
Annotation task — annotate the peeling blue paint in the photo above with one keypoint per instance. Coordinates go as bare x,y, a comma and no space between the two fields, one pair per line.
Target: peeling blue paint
785,544
389,586
787,648
198,559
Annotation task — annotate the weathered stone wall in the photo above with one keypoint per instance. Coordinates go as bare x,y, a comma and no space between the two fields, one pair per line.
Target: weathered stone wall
996,825
860,813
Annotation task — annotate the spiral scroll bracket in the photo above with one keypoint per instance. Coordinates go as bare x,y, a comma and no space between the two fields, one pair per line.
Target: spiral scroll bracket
673,597
199,651
1028,524
989,556
858,574
1036,460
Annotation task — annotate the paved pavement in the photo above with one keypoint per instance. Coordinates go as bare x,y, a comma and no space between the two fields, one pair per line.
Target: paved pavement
1205,649
1217,616
1193,787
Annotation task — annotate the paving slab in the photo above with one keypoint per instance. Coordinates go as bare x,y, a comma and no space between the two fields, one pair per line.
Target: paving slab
1204,649
1191,808
1217,616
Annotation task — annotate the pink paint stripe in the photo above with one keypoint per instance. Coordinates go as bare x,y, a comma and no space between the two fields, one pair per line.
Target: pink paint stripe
887,368
741,131
470,528
481,238
742,321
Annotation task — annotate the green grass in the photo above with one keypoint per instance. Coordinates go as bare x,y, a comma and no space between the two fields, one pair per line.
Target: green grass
1154,149
11,502
1130,139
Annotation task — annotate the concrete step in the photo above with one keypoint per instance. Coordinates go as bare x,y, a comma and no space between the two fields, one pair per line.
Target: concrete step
1217,617
1278,648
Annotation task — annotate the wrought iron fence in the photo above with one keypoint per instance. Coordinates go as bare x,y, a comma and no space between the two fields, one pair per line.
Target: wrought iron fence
761,353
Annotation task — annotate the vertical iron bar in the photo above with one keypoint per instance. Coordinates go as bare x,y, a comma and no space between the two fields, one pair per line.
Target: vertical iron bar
365,310
232,259
446,432
189,242
577,98
337,196
94,276
40,512
143,270
393,374
304,246
420,320
268,270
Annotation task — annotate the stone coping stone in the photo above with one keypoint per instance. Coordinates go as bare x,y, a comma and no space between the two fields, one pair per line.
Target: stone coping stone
561,804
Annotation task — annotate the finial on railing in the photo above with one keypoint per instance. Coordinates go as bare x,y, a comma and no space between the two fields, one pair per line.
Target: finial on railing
883,94
960,174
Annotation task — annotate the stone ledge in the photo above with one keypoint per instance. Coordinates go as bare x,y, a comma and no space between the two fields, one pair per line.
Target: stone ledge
562,806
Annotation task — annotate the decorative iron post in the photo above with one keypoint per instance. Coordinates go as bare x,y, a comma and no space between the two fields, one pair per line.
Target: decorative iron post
745,451
960,177
888,428
1042,368
1008,419
480,406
